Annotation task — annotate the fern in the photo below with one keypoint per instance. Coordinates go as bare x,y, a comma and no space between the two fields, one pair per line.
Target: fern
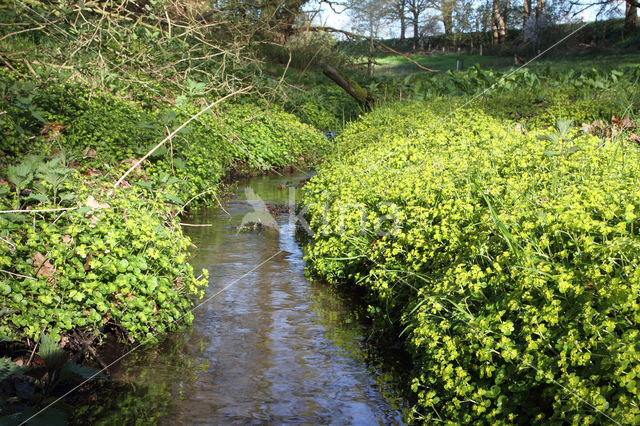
9,368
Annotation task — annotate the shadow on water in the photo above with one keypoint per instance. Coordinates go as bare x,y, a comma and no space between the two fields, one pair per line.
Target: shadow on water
271,347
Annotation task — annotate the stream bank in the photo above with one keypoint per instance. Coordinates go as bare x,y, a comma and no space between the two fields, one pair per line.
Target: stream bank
267,344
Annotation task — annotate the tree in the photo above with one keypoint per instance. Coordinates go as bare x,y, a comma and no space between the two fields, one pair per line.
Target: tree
368,18
610,7
498,26
445,10
526,12
399,13
465,17
630,16
415,9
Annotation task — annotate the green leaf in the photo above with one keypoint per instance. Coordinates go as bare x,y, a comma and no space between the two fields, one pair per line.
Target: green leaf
568,152
9,368
75,369
53,357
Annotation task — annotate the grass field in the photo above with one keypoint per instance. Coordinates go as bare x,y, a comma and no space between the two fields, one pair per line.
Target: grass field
398,65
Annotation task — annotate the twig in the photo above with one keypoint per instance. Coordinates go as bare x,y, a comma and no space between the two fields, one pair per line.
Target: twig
38,211
8,242
212,190
192,224
18,275
407,57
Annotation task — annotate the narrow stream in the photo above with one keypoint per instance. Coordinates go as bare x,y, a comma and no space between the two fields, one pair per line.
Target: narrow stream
271,346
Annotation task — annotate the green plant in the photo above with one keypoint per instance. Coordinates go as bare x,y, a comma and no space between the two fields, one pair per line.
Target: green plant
21,176
511,272
55,367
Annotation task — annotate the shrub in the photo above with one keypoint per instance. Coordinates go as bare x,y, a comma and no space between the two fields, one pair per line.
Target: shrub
512,271
118,256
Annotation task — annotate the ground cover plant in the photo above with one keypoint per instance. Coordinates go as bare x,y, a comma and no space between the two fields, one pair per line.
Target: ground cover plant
117,256
505,256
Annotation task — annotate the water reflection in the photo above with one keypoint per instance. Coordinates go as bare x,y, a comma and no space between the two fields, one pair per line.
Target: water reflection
273,347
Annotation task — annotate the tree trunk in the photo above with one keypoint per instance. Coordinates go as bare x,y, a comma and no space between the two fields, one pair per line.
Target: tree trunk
539,9
503,28
630,18
447,22
277,18
403,27
526,12
499,27
416,32
372,49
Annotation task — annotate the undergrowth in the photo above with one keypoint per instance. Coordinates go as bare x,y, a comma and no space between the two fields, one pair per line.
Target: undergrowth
503,253
117,256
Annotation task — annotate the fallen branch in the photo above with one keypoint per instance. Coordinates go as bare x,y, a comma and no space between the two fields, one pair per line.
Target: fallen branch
404,55
351,87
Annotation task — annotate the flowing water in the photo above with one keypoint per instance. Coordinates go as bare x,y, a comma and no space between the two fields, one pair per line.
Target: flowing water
269,345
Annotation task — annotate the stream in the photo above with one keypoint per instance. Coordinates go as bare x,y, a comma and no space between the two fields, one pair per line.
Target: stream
269,346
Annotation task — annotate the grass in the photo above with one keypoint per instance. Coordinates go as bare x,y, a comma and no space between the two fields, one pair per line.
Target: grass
398,65
395,65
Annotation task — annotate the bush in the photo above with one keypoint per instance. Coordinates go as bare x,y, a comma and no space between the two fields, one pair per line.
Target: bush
118,256
511,270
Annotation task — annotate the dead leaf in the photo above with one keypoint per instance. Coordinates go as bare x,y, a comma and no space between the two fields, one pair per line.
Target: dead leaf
89,153
91,171
518,127
86,262
129,162
95,205
50,131
42,266
624,123
634,138
3,182
67,239
587,128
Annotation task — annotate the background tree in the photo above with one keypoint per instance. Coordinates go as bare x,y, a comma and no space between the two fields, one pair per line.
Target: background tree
444,9
416,8
630,16
399,14
368,17
499,23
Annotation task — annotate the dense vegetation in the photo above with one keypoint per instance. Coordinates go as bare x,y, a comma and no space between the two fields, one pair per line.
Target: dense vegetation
117,256
498,237
490,216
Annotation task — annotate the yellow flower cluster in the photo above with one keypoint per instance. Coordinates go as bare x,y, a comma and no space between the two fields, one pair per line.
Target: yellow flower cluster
513,269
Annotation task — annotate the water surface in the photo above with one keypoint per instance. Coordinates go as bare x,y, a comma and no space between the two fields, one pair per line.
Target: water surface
269,345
